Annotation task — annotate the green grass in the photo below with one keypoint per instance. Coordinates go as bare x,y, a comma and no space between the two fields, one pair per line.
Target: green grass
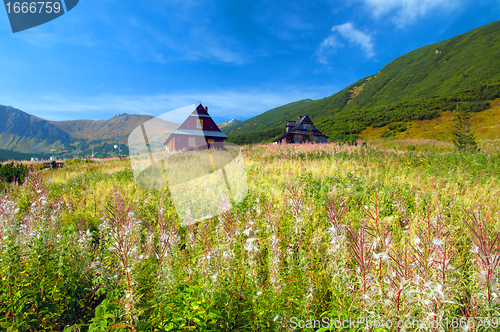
84,248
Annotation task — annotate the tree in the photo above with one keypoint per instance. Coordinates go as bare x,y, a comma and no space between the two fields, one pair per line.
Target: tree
464,139
11,172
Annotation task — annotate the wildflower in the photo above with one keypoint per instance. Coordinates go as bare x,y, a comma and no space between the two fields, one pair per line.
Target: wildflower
428,284
250,246
437,242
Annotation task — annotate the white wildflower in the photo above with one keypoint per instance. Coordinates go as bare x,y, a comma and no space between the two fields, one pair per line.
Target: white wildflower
437,242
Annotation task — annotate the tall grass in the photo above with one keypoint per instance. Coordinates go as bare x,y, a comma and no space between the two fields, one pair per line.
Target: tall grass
327,231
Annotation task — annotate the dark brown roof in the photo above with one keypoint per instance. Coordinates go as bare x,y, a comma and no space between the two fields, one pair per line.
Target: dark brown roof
294,130
199,112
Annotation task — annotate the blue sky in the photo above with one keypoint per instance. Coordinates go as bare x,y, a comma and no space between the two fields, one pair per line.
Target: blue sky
239,58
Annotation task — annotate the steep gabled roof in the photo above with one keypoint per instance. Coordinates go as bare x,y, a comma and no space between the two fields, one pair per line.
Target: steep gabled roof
294,130
199,132
199,112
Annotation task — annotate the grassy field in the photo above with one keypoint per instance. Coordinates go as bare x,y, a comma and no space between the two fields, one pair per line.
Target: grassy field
485,125
328,234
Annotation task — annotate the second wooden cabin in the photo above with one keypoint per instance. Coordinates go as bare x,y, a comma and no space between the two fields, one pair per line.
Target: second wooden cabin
300,131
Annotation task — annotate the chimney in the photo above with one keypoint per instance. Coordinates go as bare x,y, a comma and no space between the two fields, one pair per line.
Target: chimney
299,117
206,109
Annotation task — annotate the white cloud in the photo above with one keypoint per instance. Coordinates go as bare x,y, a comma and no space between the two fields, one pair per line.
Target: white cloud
403,12
328,45
349,33
355,36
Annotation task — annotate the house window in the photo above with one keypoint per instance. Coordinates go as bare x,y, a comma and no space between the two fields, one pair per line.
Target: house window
210,141
306,126
191,141
199,124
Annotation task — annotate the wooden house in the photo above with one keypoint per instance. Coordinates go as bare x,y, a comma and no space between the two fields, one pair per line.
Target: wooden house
300,131
198,131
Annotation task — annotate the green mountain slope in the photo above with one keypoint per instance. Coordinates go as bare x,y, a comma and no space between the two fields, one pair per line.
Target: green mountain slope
13,155
27,134
228,123
91,130
414,86
24,136
268,120
20,131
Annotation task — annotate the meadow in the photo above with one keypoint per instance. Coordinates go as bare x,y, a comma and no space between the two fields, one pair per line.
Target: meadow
330,237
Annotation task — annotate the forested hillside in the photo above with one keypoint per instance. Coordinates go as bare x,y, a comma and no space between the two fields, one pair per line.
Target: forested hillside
415,86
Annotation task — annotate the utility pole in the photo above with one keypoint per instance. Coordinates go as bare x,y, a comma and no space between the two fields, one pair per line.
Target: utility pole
53,157
120,140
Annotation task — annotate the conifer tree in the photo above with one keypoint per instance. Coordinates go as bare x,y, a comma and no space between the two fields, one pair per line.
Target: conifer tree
464,139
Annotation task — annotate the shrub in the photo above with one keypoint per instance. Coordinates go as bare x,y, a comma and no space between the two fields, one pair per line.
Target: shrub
448,106
478,106
387,134
378,124
11,172
399,127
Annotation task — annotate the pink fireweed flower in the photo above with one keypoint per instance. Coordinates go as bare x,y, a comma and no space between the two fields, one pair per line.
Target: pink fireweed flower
121,231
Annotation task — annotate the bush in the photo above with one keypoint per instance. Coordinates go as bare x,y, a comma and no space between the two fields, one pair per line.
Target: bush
399,127
378,124
478,106
448,106
387,134
11,172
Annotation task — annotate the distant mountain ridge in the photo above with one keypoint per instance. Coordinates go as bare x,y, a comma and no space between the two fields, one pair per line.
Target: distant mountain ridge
415,86
228,123
421,85
22,134
99,129
25,133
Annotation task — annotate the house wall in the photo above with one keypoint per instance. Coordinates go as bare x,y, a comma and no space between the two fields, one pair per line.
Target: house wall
191,123
181,142
303,138
303,126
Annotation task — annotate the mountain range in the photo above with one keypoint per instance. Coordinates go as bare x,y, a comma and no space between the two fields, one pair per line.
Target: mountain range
413,96
23,136
421,85
27,134
228,123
